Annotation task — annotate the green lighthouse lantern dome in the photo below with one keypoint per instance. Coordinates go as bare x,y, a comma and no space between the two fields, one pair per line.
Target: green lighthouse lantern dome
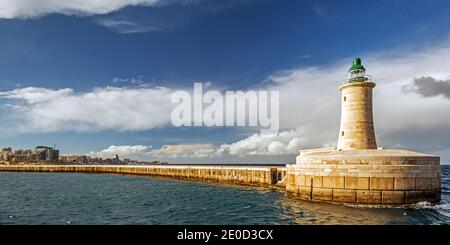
356,65
357,71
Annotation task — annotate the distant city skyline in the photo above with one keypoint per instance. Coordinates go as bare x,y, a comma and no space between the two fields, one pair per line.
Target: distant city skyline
50,155
96,77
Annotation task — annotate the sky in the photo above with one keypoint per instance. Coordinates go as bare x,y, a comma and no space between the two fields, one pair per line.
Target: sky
95,77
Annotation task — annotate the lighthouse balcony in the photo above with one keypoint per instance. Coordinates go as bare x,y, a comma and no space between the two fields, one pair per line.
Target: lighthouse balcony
359,78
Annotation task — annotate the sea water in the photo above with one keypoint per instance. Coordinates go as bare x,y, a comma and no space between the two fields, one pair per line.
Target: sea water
72,198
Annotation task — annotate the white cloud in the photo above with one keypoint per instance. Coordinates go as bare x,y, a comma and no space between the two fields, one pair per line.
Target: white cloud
185,151
110,108
33,95
141,152
10,9
124,26
286,142
122,150
133,81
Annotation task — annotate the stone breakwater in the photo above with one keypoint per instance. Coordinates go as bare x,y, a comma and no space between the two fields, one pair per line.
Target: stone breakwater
243,175
336,177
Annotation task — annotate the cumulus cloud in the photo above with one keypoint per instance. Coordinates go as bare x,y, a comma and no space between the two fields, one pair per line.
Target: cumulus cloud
113,108
24,9
122,150
141,152
284,143
185,151
429,87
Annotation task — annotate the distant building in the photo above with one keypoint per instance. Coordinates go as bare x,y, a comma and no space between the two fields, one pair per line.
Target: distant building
75,159
6,154
45,153
23,156
116,160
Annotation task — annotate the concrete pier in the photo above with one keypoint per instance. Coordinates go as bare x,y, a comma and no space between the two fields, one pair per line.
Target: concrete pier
243,175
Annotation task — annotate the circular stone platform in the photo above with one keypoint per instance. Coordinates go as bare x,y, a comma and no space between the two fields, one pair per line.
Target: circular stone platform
378,176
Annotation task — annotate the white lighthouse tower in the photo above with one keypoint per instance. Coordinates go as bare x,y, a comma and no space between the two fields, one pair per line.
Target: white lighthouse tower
357,129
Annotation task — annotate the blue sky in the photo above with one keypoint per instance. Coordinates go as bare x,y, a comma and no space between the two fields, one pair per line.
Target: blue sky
232,44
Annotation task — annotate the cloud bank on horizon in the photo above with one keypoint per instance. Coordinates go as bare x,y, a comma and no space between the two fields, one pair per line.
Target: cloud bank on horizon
411,96
142,152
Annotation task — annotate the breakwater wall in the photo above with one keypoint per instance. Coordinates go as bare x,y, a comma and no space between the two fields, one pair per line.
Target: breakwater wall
244,175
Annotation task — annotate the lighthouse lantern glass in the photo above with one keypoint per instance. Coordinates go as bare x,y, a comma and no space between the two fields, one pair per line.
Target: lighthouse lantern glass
357,75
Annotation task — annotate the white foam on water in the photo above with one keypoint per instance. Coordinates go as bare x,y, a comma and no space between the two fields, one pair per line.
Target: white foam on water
373,205
423,205
441,209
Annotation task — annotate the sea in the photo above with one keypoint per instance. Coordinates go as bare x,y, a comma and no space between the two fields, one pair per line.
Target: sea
73,198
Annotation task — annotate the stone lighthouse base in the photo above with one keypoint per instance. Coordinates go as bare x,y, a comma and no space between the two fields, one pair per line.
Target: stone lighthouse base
381,176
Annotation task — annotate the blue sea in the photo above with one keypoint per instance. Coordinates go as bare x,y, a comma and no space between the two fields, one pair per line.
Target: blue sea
71,198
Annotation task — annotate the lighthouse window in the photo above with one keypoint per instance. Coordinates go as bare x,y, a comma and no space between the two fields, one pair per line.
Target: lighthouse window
345,98
342,133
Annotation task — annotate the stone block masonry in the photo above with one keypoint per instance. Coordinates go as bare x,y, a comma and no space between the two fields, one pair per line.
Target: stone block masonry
381,177
357,128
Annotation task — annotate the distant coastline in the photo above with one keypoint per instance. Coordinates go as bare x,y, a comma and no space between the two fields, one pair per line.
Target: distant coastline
50,155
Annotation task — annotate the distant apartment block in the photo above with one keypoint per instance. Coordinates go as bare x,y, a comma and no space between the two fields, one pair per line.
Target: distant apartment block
40,153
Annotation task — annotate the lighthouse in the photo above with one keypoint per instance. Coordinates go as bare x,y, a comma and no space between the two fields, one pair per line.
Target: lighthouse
356,170
357,129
